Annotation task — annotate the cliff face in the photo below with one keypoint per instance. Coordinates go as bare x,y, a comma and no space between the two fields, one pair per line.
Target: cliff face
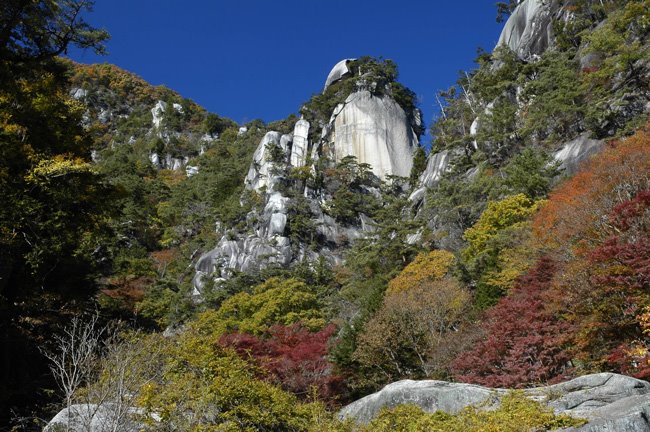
376,131
371,128
123,109
548,88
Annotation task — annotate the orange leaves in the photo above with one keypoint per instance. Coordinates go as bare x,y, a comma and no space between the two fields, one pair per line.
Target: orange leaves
578,208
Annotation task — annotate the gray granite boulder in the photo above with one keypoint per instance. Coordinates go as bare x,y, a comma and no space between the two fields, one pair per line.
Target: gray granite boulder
610,402
95,418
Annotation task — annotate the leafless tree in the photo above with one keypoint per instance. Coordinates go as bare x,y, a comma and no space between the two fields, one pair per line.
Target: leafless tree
101,374
75,356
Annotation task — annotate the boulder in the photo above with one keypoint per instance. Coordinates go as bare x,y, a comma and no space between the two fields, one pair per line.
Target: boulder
610,402
376,130
338,71
95,418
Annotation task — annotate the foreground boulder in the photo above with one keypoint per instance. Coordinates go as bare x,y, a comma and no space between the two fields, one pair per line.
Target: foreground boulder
95,418
610,402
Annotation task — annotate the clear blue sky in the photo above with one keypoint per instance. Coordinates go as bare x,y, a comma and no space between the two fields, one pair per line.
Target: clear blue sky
248,59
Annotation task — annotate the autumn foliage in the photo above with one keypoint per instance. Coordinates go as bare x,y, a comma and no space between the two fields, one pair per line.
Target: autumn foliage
426,267
524,343
577,210
292,356
609,297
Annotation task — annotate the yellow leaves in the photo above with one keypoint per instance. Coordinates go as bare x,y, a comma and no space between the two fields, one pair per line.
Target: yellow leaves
425,267
58,166
515,413
644,320
276,301
497,216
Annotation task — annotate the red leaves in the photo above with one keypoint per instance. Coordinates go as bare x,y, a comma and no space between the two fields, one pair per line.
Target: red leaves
524,342
294,358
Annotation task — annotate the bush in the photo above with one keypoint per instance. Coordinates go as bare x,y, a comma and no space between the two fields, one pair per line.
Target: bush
516,413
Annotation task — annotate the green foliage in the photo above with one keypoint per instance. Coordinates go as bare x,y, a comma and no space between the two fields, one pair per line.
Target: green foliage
621,42
485,257
213,124
419,165
554,99
515,413
276,301
42,30
531,172
348,183
459,202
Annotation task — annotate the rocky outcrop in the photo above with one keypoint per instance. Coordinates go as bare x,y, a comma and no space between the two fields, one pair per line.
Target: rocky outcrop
371,127
259,173
574,152
338,71
529,30
376,130
610,402
300,146
437,165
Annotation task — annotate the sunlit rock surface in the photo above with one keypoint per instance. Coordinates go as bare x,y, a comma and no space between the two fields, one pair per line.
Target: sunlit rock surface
437,165
573,153
528,31
376,131
300,146
610,402
107,417
258,173
338,71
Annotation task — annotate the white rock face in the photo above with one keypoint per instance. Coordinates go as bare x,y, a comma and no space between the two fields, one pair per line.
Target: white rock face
242,130
243,255
337,72
528,31
300,145
191,170
155,159
573,153
79,93
157,113
610,402
258,173
376,131
178,107
437,165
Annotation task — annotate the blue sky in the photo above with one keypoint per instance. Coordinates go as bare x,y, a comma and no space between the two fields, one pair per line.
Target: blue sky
248,59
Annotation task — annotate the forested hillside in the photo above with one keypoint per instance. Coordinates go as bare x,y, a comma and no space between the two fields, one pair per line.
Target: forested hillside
165,268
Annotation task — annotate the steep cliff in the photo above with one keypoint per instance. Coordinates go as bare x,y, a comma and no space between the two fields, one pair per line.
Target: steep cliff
368,128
